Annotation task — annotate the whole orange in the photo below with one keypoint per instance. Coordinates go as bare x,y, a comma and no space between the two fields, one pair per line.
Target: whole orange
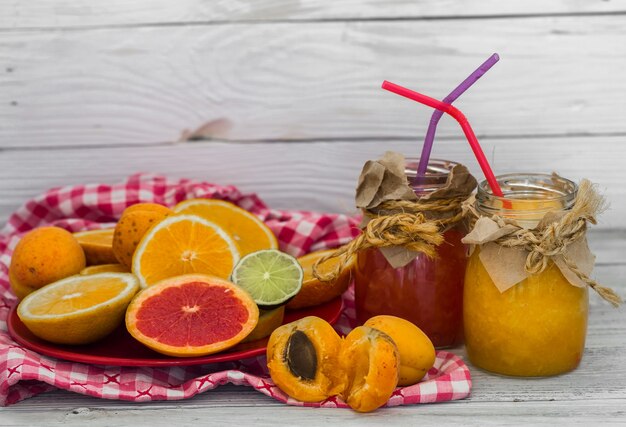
131,227
44,255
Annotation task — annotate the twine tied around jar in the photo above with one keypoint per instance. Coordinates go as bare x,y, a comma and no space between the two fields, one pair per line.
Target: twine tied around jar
397,223
552,238
397,220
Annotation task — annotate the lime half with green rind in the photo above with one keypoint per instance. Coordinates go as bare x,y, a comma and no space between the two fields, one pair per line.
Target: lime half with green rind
270,276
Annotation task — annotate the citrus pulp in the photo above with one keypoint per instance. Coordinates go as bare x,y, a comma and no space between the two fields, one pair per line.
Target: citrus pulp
191,315
270,276
184,244
249,232
78,309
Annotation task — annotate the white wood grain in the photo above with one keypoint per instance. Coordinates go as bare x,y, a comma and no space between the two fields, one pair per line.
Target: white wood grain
580,413
314,176
85,13
315,80
595,392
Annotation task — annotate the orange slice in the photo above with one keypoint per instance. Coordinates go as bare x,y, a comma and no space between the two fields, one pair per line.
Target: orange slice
191,315
79,309
315,292
184,244
249,232
97,245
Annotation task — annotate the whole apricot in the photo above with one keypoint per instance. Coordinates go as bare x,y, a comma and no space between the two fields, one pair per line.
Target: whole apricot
135,221
44,255
417,353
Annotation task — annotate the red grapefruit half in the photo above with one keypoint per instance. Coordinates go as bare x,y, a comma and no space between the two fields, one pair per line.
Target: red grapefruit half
191,315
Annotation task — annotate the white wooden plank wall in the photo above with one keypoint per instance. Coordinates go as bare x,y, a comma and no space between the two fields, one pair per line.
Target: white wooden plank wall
95,91
86,13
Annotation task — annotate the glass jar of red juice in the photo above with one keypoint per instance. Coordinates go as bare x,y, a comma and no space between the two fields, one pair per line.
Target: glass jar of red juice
427,291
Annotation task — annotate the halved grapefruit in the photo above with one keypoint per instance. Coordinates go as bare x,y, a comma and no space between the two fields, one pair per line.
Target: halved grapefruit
191,315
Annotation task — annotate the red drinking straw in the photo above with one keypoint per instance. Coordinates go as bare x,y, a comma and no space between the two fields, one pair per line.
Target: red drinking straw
459,117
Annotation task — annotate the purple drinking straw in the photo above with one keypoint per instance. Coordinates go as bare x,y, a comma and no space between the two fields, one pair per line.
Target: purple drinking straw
458,91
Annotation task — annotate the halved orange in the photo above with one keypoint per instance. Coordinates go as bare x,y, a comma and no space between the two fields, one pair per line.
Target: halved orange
184,244
249,232
78,309
191,315
97,245
314,291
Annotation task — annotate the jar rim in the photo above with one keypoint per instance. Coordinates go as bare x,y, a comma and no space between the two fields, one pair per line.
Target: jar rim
525,189
437,173
435,168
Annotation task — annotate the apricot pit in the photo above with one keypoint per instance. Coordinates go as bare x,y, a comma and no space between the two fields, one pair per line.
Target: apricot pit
302,358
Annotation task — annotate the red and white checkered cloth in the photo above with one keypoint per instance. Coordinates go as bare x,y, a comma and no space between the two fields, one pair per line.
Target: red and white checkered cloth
24,373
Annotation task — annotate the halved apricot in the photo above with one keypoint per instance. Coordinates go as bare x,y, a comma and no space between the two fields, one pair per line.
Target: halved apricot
371,359
303,357
310,362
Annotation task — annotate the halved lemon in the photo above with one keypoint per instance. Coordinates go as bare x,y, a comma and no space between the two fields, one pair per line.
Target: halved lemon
249,232
184,244
78,309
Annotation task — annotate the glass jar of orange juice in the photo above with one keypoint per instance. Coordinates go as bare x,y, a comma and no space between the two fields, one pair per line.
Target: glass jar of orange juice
536,327
426,291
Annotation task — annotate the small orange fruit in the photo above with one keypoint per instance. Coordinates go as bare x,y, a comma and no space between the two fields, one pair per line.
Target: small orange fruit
314,291
104,268
184,244
191,315
249,232
44,255
131,227
97,245
78,309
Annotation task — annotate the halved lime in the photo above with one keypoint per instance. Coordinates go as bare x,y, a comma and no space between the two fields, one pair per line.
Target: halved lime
271,277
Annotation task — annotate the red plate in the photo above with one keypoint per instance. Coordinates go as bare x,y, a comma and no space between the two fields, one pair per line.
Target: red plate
120,349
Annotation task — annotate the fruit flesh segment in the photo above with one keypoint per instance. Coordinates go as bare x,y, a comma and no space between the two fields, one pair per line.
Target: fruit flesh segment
241,227
200,305
77,296
186,247
99,237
